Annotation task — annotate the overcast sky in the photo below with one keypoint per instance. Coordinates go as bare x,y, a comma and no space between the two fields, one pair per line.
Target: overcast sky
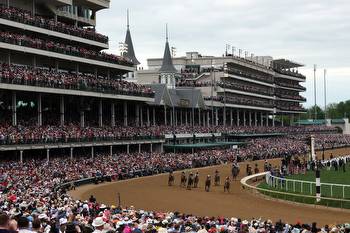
306,31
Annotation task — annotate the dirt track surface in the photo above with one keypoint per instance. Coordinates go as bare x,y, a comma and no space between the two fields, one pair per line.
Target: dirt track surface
153,193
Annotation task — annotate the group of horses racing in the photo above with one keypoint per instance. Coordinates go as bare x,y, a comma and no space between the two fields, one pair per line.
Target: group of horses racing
193,179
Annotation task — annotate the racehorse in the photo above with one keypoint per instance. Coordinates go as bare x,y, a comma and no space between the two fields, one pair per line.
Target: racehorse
217,178
190,181
196,180
227,185
171,179
183,180
235,171
207,183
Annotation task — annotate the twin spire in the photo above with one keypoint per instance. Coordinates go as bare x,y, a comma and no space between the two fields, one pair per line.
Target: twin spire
167,65
130,54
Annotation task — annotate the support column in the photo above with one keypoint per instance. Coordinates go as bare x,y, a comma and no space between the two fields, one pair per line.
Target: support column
128,149
148,118
141,116
165,120
139,148
216,117
267,119
171,117
154,116
256,119
231,117
176,117
203,120
199,117
273,120
250,118
208,118
151,148
48,154
181,119
112,114
137,115
21,156
261,119
125,114
100,114
8,3
186,117
14,109
34,61
9,58
224,116
33,7
62,110
71,153
244,118
237,119
40,115
92,152
82,119
111,150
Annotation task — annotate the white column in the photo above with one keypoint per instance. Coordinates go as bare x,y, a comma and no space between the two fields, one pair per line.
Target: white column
261,119
154,116
111,150
237,117
208,118
137,115
141,115
128,149
171,117
82,119
112,114
125,114
148,118
231,117
40,115
14,109
267,119
181,118
224,117
216,117
199,116
92,152
62,110
204,122
256,119
165,120
100,113
186,118
250,118
139,148
8,3
151,148
48,154
244,119
273,120
34,61
21,156
71,153
175,115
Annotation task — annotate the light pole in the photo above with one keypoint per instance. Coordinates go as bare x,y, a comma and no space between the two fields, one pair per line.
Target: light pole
325,93
315,117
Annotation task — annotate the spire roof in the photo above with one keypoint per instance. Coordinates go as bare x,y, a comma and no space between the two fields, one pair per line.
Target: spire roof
167,65
130,54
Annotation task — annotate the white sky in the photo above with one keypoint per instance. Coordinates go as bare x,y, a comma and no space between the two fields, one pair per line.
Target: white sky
306,31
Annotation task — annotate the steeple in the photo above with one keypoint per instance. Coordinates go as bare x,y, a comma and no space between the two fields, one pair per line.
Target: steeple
167,66
131,53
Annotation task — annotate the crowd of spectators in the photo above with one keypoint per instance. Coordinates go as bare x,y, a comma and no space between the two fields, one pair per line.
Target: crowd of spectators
26,17
289,94
264,78
32,134
48,45
290,73
289,83
26,75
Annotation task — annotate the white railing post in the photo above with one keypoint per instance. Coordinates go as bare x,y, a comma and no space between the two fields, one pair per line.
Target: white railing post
301,184
293,185
343,191
331,190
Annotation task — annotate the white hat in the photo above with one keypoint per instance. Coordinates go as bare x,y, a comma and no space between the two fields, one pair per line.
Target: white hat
42,216
63,221
245,222
98,222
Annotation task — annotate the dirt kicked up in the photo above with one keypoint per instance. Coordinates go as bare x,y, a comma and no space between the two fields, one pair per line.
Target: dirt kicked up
153,193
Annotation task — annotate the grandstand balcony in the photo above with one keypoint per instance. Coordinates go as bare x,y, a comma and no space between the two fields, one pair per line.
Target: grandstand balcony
292,87
100,60
48,27
250,76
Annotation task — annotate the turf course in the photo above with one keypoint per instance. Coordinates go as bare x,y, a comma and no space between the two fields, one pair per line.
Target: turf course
327,176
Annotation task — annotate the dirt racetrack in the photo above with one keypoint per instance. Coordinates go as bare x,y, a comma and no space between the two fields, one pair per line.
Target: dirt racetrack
153,193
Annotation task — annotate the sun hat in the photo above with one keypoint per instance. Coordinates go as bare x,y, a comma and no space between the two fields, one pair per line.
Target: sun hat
98,222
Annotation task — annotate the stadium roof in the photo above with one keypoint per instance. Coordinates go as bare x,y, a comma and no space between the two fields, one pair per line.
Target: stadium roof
286,64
